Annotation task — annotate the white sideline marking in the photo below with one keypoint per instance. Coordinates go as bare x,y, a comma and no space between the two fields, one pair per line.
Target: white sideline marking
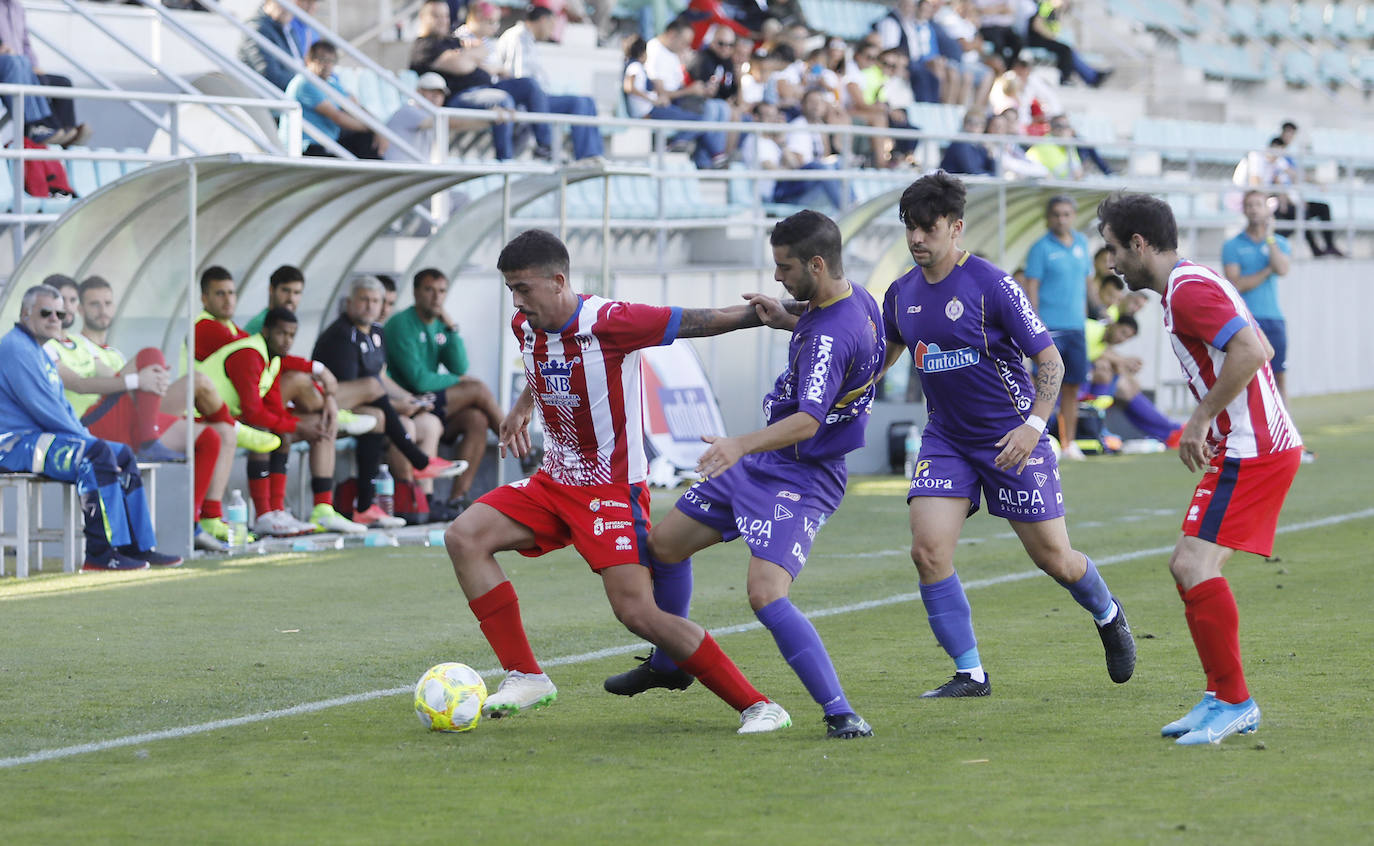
609,652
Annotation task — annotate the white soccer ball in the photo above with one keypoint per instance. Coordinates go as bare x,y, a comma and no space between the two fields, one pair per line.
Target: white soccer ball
449,697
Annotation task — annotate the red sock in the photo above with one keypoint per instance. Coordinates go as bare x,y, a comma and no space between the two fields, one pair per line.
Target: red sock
211,509
714,668
1216,633
278,487
1191,619
207,452
260,491
146,403
498,615
324,497
221,416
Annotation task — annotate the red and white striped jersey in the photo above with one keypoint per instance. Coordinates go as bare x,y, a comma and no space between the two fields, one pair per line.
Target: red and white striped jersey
1202,312
586,383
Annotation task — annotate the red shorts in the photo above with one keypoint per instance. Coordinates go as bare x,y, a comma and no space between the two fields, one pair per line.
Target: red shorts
607,524
113,418
1237,503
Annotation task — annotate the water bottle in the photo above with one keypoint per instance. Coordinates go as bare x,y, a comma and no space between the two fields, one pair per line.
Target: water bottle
384,490
236,516
912,448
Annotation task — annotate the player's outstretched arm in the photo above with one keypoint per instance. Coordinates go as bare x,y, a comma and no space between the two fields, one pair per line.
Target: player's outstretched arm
1245,355
515,429
722,453
704,322
775,313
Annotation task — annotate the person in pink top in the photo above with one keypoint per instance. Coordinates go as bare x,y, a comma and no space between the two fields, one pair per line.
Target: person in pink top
1241,436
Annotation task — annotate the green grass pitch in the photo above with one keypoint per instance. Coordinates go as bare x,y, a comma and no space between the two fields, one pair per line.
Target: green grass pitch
1058,754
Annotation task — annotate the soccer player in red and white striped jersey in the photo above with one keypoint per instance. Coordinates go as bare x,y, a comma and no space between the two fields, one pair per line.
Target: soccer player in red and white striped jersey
1241,436
582,372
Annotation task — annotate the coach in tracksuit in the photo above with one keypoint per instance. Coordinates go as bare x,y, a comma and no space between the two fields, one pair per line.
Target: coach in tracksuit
39,433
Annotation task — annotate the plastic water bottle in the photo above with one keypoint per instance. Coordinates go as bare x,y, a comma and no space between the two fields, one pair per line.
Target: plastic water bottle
384,490
236,516
912,449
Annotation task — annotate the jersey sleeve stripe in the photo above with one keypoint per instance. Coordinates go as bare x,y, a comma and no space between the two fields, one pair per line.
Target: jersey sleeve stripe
1227,332
674,325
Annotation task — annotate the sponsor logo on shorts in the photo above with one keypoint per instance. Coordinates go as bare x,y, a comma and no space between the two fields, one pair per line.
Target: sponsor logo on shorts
1193,513
1031,462
1201,492
795,497
798,553
697,499
756,529
780,512
811,528
1041,479
921,478
1022,503
815,384
622,543
598,504
931,359
601,526
954,309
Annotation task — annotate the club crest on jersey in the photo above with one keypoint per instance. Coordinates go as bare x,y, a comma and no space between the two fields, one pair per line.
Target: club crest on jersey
931,359
584,342
913,309
954,309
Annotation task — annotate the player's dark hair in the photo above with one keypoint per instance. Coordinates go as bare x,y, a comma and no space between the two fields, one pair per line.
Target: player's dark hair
321,49
1139,214
213,273
1288,124
285,274
387,282
534,14
93,283
59,281
277,316
1276,141
534,249
808,234
425,275
930,198
1060,199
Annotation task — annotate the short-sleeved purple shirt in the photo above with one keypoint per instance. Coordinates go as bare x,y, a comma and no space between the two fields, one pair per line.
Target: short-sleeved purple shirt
968,334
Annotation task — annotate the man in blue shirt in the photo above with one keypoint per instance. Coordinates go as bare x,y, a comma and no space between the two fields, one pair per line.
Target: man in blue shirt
39,433
1254,260
321,112
272,22
1059,281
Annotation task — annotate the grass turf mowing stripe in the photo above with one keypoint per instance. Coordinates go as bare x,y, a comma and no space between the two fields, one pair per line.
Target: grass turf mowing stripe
609,652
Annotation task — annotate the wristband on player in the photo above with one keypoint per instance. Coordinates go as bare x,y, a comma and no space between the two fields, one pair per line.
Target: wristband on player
131,381
316,369
1037,423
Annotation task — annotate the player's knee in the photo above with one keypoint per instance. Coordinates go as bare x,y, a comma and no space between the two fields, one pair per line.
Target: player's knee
462,541
926,556
638,616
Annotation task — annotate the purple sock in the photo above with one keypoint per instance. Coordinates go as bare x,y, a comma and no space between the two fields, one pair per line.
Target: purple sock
800,644
949,614
672,593
1143,414
1091,592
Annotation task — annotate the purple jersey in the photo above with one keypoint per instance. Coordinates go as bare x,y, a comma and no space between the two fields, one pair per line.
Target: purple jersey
833,359
967,334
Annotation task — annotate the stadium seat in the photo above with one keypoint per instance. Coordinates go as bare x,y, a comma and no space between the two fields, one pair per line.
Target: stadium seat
1299,68
1333,68
108,171
1242,21
1276,20
1364,71
1309,20
28,205
81,174
129,167
1343,24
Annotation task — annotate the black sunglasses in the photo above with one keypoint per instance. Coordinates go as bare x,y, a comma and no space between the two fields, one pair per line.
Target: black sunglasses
45,313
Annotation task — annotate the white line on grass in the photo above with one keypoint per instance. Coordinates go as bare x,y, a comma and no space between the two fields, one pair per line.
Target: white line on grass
609,652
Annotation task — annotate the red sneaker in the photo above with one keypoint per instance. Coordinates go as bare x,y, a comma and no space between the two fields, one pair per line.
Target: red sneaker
440,468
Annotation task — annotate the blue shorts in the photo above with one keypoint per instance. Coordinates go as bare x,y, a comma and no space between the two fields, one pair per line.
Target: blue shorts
1277,333
778,514
1073,348
951,468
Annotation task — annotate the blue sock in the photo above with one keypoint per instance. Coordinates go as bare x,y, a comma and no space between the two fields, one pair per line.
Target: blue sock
672,593
1091,592
800,644
951,620
1147,418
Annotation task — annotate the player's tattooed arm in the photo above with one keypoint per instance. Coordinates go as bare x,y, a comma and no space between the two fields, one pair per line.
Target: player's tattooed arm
1048,377
703,322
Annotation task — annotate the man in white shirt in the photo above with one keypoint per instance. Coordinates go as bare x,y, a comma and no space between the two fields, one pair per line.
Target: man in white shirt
414,124
517,53
662,61
807,149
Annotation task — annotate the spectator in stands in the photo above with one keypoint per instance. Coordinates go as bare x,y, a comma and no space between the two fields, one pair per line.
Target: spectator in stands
889,86
955,21
763,150
415,125
967,156
1271,169
1288,130
517,53
353,350
470,85
714,65
909,27
644,99
1012,162
663,65
1042,30
1060,159
858,70
43,436
711,18
257,376
1059,277
806,149
1113,377
46,120
285,287
1022,90
421,340
998,22
320,112
388,297
131,402
759,83
301,32
273,23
